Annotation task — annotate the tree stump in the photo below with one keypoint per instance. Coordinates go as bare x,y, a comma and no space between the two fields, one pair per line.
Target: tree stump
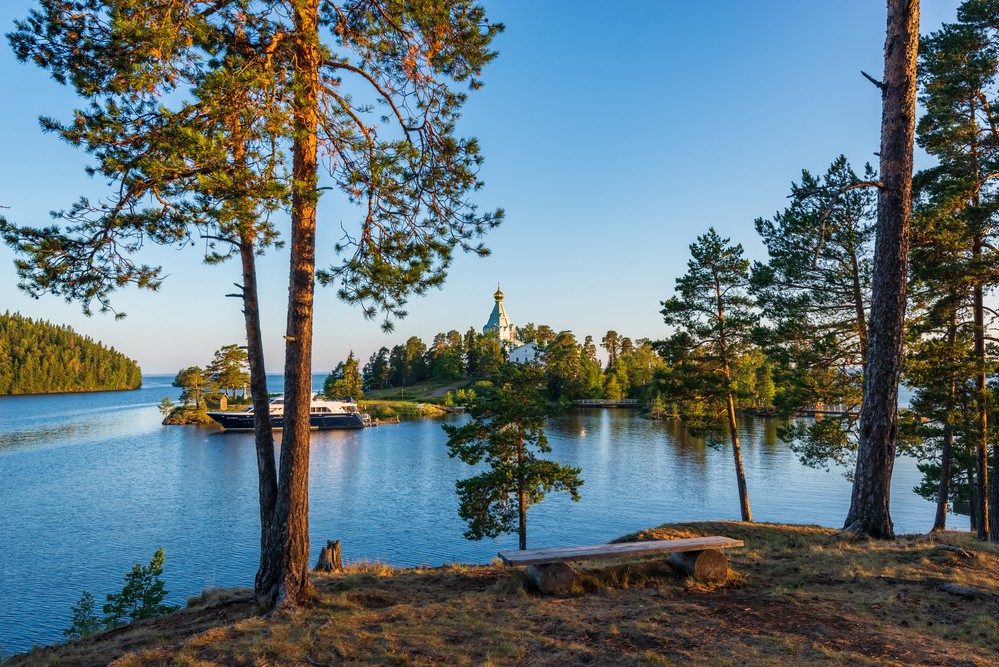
708,565
551,578
329,558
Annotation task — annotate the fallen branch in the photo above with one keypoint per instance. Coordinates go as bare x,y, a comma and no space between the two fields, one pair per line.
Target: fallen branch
944,586
957,550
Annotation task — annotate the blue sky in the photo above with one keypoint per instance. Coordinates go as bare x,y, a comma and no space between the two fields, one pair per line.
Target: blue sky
612,137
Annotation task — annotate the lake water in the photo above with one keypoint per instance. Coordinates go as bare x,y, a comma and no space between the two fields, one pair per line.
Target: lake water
93,483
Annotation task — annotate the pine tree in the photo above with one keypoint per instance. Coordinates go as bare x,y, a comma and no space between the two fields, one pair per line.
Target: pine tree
344,381
815,291
612,343
507,435
196,383
142,595
228,369
713,318
954,263
871,497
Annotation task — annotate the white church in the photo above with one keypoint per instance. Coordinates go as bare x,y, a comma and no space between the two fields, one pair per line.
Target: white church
499,324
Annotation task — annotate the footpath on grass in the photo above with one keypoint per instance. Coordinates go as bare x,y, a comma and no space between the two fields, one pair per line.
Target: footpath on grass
795,595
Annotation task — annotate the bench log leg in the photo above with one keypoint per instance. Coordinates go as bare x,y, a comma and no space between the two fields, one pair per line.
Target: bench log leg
708,565
551,578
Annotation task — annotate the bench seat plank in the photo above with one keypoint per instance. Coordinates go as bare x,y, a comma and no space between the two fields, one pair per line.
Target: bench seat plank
622,550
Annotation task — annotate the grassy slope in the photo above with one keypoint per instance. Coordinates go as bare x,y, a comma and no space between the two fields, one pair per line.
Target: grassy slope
390,410
417,392
798,595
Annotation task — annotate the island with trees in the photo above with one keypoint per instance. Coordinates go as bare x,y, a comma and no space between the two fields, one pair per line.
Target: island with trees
37,357
223,380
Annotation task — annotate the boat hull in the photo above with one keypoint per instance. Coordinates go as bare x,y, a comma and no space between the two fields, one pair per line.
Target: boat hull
242,421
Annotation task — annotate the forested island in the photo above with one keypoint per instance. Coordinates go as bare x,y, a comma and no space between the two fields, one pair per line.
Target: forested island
37,357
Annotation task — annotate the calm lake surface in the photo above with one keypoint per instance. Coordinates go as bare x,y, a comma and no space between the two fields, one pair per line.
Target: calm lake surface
93,483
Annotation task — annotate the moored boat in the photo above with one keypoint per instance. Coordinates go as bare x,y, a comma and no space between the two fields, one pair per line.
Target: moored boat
324,414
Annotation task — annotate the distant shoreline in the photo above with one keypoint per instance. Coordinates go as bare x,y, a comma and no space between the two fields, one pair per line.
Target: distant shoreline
67,393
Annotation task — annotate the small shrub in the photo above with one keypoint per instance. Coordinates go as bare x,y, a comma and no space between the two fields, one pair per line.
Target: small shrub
166,406
141,597
85,619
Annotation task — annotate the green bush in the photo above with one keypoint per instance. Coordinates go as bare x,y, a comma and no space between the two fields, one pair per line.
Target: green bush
141,597
85,620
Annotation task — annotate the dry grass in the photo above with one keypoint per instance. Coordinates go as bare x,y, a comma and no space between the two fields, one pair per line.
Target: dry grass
802,595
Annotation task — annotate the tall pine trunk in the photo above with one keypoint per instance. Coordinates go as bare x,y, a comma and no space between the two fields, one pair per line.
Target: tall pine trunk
972,489
289,546
947,450
943,491
263,435
982,417
740,472
869,504
993,492
521,498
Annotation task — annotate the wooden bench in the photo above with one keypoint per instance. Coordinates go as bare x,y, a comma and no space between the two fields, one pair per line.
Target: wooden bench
699,556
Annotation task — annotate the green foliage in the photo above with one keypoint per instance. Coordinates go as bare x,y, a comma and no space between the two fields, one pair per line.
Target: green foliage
636,367
612,343
40,358
612,389
752,377
377,372
464,397
657,408
85,619
166,406
448,365
485,355
196,383
507,434
229,369
142,595
344,381
563,368
528,333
